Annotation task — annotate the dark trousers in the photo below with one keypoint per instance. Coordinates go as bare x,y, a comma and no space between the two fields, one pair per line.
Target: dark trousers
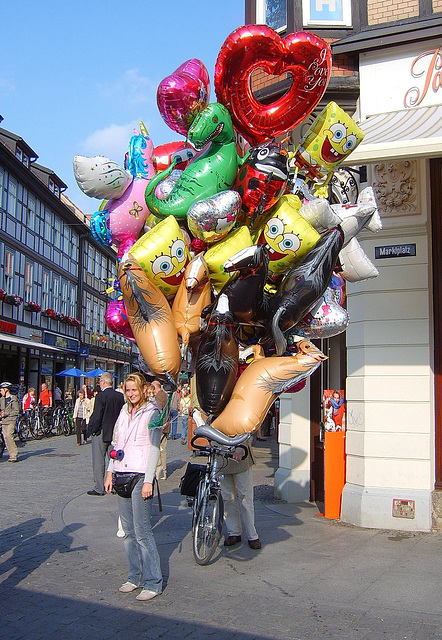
80,428
100,461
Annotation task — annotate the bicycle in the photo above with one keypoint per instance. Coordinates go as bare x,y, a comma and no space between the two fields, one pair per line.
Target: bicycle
62,421
207,504
23,426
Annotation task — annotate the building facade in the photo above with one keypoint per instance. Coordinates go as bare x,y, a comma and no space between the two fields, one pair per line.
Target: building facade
51,310
389,360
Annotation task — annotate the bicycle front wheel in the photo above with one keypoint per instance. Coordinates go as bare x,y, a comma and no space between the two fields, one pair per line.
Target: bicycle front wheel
208,525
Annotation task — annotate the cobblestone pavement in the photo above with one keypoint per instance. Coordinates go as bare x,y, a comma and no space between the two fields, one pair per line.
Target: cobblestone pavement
61,564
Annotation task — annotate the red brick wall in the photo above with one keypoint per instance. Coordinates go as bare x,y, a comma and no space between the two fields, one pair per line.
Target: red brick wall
343,65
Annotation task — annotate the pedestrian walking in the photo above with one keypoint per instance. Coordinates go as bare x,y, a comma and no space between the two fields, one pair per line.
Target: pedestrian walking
9,410
107,407
81,416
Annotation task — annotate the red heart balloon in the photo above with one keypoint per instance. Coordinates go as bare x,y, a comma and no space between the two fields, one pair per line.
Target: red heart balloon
183,94
305,56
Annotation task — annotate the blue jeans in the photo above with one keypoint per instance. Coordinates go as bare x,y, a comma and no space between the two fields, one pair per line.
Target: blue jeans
173,414
139,542
184,424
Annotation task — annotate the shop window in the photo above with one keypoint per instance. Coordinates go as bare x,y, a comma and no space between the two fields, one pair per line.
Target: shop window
326,13
273,13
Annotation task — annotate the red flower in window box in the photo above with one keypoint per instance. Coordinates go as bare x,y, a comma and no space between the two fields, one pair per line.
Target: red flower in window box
2,294
49,313
32,306
13,299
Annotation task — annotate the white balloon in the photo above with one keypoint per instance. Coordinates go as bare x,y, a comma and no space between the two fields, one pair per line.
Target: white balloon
356,266
99,177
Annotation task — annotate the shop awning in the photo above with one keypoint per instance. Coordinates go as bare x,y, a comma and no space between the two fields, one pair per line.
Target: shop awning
30,344
415,133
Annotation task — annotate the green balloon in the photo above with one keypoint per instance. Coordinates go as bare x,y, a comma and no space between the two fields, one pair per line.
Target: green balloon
214,171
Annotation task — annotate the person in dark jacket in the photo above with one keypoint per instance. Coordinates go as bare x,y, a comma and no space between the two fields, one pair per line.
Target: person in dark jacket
107,407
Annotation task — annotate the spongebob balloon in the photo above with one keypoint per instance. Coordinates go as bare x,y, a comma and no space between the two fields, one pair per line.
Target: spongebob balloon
163,255
288,234
327,143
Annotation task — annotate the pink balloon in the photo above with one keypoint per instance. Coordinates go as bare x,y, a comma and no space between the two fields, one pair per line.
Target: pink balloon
183,94
128,214
116,319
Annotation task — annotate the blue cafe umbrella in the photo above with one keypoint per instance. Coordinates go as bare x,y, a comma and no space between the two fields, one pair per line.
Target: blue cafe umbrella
74,372
94,373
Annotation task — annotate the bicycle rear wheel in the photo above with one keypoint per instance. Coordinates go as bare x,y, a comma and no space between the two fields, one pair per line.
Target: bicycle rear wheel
66,428
208,525
23,429
36,428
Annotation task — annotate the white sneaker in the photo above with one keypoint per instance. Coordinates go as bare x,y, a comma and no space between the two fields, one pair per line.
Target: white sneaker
127,587
147,595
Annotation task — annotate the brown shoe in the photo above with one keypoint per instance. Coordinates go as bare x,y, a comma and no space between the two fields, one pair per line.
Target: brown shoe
231,540
255,544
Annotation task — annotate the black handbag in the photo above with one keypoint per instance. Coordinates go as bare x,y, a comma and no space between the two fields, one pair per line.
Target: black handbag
124,483
190,479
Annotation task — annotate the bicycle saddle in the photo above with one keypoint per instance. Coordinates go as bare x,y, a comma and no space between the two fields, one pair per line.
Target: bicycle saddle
206,431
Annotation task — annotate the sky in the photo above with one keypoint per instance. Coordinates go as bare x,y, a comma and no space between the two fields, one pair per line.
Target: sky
76,77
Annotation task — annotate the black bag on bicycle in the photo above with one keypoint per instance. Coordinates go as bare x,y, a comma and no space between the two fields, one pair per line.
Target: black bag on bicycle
190,479
124,483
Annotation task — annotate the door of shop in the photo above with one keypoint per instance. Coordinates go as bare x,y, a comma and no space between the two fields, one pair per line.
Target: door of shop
331,375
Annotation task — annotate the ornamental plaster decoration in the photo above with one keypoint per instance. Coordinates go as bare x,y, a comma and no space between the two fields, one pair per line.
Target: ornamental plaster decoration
396,186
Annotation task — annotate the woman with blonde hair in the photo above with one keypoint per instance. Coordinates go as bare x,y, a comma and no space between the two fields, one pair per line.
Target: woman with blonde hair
137,435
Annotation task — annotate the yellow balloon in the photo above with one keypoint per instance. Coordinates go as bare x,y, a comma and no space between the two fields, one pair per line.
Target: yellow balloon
289,236
163,255
218,253
328,142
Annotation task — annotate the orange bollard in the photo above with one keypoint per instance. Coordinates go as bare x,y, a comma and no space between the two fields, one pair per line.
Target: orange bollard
334,472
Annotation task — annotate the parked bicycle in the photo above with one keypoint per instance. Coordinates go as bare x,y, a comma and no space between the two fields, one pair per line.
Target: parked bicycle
63,423
23,426
207,501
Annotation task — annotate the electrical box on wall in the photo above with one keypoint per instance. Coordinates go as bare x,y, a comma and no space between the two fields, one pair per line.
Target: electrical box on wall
404,508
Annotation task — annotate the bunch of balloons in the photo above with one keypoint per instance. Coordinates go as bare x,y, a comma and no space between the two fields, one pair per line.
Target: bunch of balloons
228,247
